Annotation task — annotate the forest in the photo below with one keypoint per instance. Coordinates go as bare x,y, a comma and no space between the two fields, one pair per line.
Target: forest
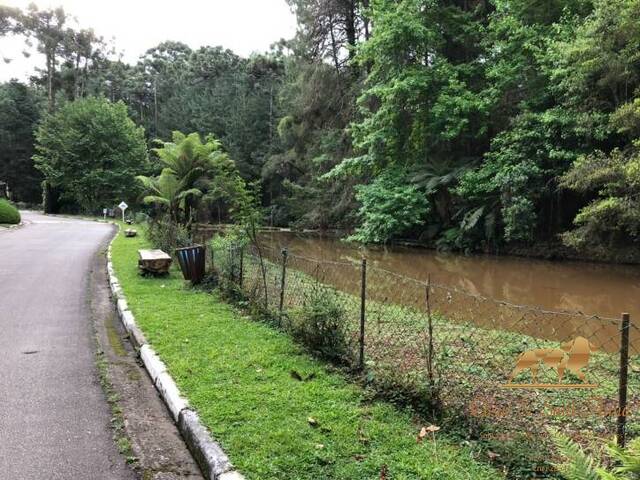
472,125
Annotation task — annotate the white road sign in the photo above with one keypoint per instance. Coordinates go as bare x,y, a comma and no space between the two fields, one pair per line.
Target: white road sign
123,206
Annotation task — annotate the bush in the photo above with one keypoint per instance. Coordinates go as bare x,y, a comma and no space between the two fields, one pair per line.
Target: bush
579,465
8,213
227,247
320,325
141,217
390,207
167,236
613,217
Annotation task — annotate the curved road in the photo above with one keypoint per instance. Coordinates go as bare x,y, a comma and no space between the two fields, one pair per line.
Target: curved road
54,418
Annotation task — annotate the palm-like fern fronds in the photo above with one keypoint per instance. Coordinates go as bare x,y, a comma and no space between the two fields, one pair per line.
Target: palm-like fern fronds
439,173
193,171
156,200
628,458
579,465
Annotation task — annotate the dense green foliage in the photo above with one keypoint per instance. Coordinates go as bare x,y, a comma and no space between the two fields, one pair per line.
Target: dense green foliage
389,207
321,325
194,174
467,125
91,151
8,213
614,216
20,109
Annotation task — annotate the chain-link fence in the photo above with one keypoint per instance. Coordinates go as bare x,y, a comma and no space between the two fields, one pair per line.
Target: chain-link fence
505,372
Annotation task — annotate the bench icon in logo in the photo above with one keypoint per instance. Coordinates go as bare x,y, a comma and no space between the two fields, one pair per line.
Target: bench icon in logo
572,356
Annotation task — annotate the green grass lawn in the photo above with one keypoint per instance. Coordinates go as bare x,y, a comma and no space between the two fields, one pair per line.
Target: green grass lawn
237,375
472,361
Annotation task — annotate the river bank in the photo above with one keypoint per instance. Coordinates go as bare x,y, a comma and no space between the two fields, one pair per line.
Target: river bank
553,250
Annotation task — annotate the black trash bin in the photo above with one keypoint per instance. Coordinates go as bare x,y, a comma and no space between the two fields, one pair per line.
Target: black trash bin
192,262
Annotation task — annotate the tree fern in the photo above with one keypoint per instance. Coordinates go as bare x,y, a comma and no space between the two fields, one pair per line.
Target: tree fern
579,466
628,458
192,172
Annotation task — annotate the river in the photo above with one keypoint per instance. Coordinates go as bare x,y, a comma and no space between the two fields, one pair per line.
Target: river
605,290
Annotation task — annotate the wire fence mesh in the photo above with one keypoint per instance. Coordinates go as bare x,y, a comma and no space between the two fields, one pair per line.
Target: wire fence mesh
510,371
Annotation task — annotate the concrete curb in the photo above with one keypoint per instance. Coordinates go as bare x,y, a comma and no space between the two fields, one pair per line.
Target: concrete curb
152,362
211,458
208,452
169,391
9,228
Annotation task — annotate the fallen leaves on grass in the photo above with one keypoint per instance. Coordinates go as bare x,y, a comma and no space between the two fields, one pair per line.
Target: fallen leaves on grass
492,455
424,430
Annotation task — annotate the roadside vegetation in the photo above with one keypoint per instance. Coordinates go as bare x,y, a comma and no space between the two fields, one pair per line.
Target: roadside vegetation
89,153
242,377
9,214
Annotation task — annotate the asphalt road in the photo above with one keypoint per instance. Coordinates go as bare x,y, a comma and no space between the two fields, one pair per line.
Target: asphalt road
54,418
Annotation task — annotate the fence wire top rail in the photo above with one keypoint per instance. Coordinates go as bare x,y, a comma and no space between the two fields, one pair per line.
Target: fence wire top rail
309,259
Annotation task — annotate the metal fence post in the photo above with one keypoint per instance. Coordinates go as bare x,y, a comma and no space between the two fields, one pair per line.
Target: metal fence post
241,266
623,385
363,295
232,263
282,283
430,331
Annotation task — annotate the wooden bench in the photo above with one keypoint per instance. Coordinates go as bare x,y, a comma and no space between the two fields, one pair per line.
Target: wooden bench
155,262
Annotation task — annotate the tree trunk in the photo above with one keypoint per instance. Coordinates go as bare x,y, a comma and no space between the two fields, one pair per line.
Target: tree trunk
350,27
334,46
50,70
76,78
366,21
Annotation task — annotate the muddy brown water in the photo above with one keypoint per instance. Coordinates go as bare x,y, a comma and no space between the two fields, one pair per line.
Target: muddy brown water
603,290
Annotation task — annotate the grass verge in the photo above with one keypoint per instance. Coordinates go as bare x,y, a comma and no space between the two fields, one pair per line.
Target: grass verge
237,374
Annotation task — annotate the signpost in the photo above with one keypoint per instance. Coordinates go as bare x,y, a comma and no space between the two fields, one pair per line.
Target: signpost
123,206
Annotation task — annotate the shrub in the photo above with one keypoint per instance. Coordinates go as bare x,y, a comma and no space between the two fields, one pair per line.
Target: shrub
613,217
320,324
226,257
166,235
390,206
141,217
8,213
